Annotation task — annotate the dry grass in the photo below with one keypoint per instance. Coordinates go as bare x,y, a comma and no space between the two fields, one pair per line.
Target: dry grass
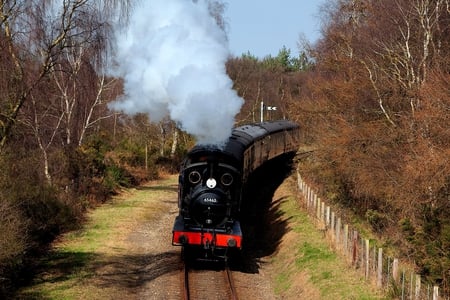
305,265
104,261
97,261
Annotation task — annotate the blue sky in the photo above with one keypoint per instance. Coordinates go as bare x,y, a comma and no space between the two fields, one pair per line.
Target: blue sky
264,26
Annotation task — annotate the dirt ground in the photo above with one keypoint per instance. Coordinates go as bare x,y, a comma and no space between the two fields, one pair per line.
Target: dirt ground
155,264
137,261
160,275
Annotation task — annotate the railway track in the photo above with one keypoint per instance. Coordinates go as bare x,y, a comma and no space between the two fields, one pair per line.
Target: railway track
210,284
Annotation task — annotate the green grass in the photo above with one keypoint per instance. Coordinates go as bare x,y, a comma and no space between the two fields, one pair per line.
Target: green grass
310,258
73,265
71,270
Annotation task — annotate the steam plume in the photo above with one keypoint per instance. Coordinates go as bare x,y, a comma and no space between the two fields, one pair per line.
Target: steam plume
172,58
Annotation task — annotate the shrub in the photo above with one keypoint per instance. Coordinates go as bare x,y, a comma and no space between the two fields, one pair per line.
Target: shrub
13,242
116,177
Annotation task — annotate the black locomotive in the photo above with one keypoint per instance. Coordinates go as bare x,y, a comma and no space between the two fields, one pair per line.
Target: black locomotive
211,181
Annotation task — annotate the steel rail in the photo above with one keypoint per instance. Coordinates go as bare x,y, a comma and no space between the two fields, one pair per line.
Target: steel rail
231,286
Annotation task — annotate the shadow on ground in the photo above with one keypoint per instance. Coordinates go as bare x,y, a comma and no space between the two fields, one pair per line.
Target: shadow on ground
263,223
120,272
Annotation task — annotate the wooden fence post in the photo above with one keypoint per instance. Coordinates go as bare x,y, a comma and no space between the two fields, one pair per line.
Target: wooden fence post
328,216
319,205
333,217
355,248
305,195
403,284
388,274
308,197
417,290
435,292
363,250
322,211
338,231
395,270
346,239
314,201
367,257
299,182
380,268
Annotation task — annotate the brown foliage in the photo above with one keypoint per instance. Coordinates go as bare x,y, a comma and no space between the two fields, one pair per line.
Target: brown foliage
427,171
12,234
378,105
256,82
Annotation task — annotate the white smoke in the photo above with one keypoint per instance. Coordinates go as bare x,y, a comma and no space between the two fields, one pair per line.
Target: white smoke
172,57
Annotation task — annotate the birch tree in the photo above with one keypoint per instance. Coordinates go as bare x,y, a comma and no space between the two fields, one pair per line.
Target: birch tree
37,36
412,47
63,42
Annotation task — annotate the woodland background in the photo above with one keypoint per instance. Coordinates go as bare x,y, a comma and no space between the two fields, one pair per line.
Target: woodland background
372,97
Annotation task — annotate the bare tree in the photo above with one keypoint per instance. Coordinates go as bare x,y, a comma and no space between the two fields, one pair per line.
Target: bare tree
64,42
40,38
413,46
97,103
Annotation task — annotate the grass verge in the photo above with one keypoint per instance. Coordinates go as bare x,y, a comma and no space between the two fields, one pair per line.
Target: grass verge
306,266
79,264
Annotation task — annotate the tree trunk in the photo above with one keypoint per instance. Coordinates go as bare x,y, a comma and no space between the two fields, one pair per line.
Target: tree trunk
174,142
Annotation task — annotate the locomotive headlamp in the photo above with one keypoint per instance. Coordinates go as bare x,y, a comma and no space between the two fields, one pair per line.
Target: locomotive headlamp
211,183
231,242
226,179
194,177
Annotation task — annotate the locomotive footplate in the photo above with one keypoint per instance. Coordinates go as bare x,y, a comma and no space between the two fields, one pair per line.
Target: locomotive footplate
206,237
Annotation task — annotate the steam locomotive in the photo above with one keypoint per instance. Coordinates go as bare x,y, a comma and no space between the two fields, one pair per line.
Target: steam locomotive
211,181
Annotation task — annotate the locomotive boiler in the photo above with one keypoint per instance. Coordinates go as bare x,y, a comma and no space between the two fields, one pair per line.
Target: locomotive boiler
211,181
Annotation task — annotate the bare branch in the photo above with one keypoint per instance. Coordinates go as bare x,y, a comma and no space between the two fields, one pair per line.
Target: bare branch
379,97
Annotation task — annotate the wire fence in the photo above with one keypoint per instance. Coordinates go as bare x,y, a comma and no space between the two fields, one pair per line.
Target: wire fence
389,274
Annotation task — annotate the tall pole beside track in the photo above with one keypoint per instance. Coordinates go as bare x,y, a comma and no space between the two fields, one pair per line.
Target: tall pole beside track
262,111
269,108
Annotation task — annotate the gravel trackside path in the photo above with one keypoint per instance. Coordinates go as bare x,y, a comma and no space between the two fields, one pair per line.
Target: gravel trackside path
124,252
161,275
